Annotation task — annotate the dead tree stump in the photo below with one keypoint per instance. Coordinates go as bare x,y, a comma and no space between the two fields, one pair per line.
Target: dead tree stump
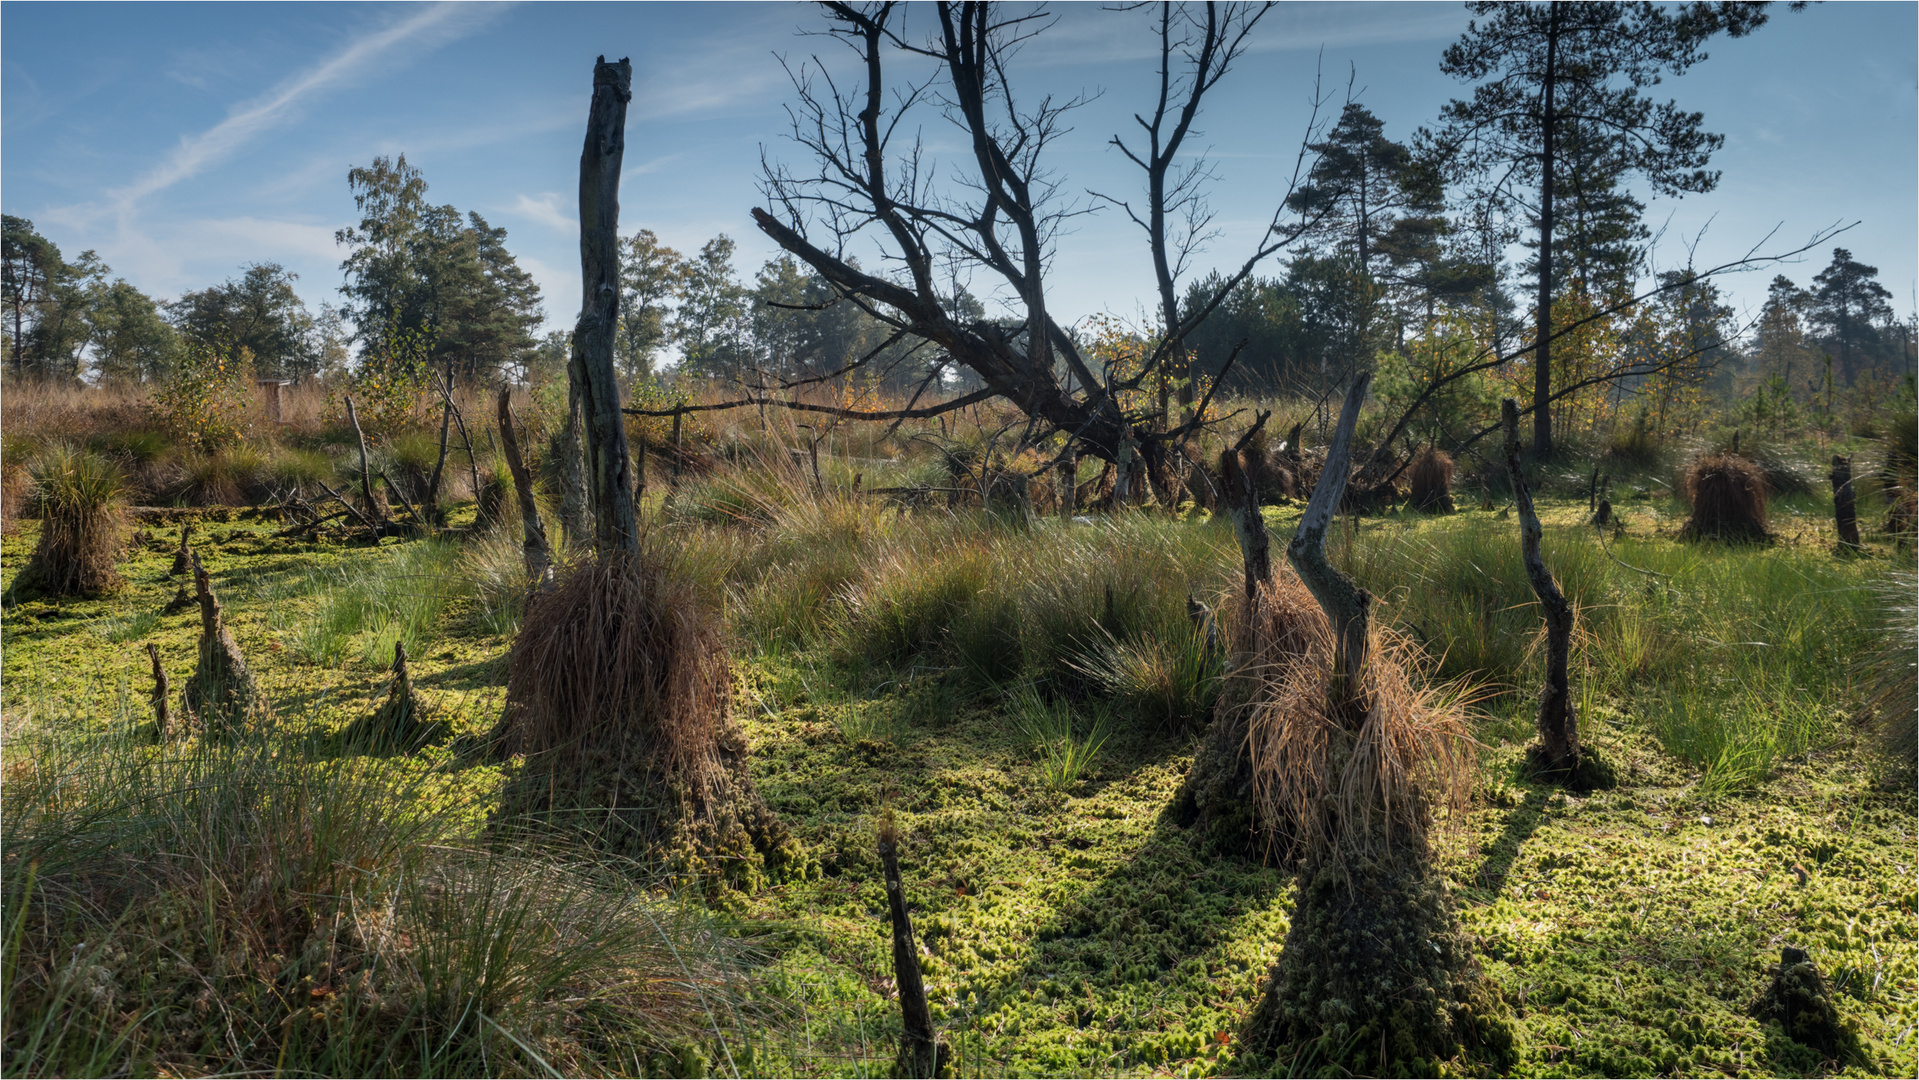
1845,510
539,554
1558,753
183,555
160,692
922,1052
222,693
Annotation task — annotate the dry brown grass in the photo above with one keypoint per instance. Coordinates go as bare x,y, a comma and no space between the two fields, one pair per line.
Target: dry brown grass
1323,784
618,660
1728,497
1430,481
617,692
82,505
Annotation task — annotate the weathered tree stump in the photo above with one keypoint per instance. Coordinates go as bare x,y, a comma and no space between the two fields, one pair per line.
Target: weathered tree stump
534,546
222,693
159,694
922,1052
1845,510
183,555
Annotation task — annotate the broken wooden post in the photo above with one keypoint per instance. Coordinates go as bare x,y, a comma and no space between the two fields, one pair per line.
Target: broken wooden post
590,367
539,555
1558,724
159,692
921,1052
1241,498
1347,606
1845,511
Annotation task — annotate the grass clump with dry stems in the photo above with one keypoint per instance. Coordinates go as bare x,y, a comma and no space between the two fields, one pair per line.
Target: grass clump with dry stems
239,908
1728,496
81,500
617,701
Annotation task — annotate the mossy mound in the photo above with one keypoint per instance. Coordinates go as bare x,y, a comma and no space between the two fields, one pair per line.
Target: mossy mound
1587,772
1800,1002
400,724
222,693
1376,977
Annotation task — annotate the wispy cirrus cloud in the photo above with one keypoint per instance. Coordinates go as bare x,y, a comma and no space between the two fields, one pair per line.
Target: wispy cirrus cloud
436,25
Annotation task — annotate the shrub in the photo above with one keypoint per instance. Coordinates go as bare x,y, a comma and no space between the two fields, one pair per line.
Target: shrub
234,475
1728,497
1430,478
81,499
290,468
206,398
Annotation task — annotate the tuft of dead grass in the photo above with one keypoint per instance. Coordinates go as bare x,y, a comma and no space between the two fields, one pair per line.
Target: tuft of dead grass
1326,783
82,505
1728,496
1430,482
617,693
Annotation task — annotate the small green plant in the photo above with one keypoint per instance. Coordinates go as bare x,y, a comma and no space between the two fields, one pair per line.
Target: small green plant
1062,756
127,625
398,599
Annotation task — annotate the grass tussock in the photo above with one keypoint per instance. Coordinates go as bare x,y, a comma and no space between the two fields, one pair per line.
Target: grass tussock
1329,782
81,500
1430,482
617,692
1728,497
235,908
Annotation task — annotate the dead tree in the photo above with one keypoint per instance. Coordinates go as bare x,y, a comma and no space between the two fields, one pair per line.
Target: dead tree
539,554
1347,606
1845,512
609,485
1558,751
374,512
921,1051
1000,215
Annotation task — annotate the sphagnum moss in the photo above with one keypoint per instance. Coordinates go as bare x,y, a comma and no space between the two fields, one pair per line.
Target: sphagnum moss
1083,931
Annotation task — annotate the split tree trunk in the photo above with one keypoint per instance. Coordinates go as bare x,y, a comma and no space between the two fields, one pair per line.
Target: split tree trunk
1558,725
1347,606
609,487
539,554
574,517
1845,510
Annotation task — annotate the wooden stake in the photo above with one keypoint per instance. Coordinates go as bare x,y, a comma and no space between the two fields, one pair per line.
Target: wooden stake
919,1048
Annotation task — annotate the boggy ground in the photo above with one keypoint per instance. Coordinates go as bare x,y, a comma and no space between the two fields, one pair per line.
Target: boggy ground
1069,927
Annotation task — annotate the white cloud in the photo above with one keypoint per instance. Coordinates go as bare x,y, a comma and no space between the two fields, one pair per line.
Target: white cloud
546,211
436,25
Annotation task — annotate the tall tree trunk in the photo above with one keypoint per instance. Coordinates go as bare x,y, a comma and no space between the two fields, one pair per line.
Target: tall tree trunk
1347,606
609,483
373,511
1542,352
1558,724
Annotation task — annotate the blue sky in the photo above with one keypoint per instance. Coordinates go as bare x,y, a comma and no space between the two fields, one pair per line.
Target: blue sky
183,141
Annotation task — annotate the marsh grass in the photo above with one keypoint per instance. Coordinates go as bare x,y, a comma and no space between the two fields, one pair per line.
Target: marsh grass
243,907
367,605
1062,753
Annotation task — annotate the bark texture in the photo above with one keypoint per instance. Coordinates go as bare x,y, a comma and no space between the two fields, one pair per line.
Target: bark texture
609,484
1558,725
1348,606
539,554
